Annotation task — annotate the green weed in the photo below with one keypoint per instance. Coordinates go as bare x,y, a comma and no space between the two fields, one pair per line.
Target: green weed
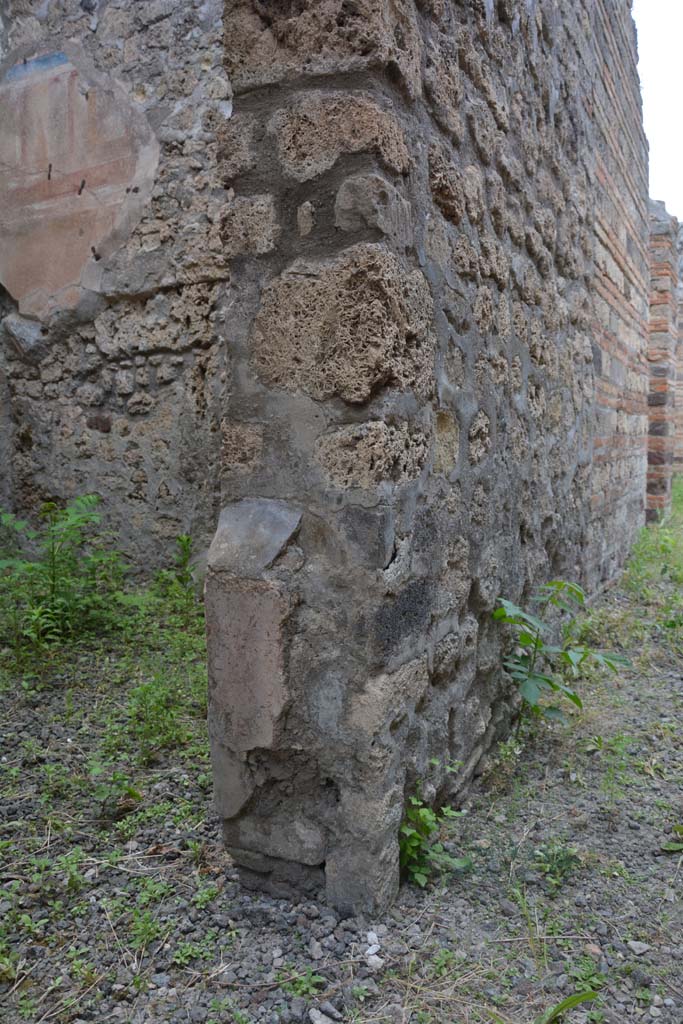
81,969
203,897
176,585
8,961
154,718
615,767
144,929
556,861
202,949
68,867
58,581
676,845
57,780
113,789
151,891
443,963
420,854
658,551
304,983
28,1007
556,1013
587,978
539,667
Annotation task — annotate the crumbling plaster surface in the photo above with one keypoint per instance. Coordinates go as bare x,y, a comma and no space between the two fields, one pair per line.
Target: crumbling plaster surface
114,363
427,385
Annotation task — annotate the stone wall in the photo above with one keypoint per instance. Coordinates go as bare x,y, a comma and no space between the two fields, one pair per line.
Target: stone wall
620,290
441,361
662,358
385,310
113,361
678,399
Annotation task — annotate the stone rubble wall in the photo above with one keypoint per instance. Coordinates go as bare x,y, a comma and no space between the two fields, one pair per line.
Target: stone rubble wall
120,386
619,290
442,213
678,399
662,358
382,318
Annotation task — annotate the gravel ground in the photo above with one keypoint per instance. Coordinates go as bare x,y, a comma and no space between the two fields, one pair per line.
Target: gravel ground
118,904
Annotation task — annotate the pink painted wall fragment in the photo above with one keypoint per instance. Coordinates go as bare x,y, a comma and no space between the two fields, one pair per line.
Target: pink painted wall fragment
77,165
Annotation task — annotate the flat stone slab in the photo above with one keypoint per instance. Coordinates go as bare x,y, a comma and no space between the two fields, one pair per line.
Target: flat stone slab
251,534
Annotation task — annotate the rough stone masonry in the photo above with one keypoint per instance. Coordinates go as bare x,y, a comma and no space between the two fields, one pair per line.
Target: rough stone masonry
366,285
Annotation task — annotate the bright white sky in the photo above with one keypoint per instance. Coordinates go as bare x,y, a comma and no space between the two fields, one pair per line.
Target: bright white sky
660,46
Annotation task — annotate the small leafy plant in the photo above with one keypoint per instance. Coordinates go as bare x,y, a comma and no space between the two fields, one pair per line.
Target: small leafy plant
540,667
152,891
68,865
674,846
144,929
420,854
587,978
58,581
556,861
304,983
226,1012
115,793
450,766
154,718
176,585
202,949
81,969
443,963
203,897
